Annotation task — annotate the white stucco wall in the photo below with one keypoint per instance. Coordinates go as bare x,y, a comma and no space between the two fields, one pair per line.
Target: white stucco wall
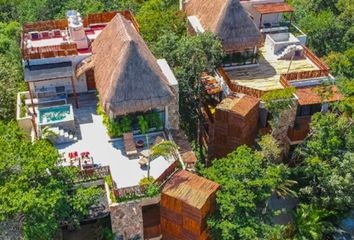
268,18
80,84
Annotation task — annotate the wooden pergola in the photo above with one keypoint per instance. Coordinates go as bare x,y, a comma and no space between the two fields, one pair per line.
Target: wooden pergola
271,8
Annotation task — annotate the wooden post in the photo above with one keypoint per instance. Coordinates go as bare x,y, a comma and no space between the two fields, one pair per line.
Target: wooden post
34,115
31,96
260,21
34,127
74,92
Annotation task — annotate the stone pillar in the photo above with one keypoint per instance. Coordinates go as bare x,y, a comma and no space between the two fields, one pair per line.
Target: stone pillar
173,110
280,133
127,220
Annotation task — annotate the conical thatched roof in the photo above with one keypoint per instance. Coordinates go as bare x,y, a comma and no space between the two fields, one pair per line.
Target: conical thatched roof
127,75
228,20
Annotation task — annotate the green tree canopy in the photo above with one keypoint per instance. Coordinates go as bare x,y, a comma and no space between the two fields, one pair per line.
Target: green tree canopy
157,16
341,64
35,188
309,223
324,30
328,24
247,182
326,173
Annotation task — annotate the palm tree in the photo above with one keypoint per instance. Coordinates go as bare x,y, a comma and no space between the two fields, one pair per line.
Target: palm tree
48,133
165,149
309,223
283,189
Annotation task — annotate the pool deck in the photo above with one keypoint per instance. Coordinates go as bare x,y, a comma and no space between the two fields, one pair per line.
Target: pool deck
266,75
93,137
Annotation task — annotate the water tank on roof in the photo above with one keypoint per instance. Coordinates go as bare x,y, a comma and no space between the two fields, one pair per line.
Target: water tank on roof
74,18
76,29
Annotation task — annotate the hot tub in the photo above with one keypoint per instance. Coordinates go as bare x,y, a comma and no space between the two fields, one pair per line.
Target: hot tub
62,115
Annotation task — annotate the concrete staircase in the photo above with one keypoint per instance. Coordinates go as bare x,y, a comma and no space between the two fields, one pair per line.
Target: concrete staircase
288,52
62,135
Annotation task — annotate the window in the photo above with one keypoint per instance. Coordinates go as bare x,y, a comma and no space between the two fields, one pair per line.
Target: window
154,118
308,110
240,58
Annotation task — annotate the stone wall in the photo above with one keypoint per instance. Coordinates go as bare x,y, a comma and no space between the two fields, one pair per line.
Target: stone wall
127,218
10,229
286,120
173,110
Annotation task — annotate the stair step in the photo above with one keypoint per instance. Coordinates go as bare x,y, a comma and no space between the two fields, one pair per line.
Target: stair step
64,135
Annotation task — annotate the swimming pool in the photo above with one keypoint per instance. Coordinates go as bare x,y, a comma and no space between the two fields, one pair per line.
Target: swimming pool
55,114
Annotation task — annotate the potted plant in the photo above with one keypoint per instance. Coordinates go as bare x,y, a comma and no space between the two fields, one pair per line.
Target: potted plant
126,124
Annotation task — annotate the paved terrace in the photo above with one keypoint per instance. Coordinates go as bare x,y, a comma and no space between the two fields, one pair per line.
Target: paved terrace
93,138
266,75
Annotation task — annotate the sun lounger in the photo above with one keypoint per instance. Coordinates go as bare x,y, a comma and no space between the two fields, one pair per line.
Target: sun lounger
143,161
129,144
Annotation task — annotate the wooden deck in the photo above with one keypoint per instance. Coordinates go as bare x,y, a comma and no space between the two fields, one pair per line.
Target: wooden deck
266,75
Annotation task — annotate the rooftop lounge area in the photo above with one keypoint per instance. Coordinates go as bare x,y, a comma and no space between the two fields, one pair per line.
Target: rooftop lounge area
126,171
266,74
53,38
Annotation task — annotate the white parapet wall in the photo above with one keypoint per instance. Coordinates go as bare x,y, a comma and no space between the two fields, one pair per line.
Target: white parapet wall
278,41
23,119
172,110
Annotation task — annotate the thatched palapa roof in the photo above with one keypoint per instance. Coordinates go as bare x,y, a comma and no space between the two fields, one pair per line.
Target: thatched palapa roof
127,75
228,20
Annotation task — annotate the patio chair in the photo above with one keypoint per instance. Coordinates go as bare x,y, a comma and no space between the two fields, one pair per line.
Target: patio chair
158,140
129,144
143,162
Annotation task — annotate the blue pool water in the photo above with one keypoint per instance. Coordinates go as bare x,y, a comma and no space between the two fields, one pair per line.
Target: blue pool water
54,114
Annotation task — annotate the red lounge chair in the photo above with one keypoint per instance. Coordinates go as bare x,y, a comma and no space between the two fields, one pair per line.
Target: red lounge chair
85,154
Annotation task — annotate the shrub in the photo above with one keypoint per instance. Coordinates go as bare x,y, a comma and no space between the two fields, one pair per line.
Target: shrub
146,181
108,180
126,124
23,107
152,190
143,125
114,129
154,120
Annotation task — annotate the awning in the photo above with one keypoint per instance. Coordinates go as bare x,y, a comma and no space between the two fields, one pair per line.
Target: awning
269,8
317,95
84,66
52,71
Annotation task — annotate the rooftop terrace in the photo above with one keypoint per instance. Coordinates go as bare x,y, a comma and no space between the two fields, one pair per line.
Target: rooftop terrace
266,75
93,137
52,38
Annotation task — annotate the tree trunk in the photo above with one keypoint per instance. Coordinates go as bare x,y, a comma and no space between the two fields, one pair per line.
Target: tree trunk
148,166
